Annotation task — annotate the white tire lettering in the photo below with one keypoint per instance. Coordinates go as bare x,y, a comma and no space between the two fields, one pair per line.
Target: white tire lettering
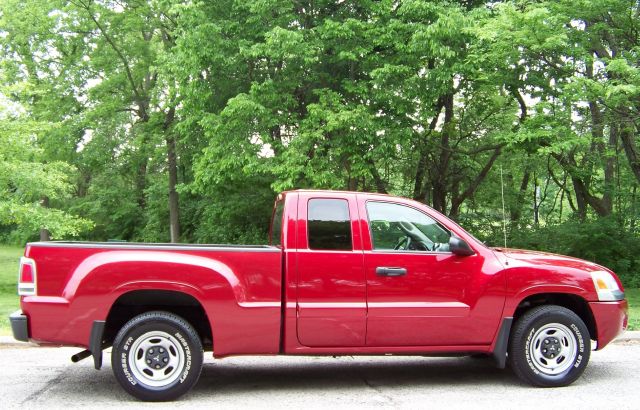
125,369
187,353
579,337
526,351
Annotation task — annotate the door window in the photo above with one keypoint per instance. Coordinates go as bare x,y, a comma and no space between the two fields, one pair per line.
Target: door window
401,228
329,224
276,225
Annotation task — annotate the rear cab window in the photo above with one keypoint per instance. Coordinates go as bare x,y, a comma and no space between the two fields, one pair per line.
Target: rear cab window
276,224
329,224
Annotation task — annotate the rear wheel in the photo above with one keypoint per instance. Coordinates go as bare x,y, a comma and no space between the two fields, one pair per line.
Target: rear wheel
549,346
157,356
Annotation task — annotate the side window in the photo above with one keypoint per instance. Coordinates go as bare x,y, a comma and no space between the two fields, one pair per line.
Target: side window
401,228
329,225
276,224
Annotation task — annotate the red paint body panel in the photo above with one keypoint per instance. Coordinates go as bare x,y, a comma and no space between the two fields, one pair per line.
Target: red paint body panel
332,295
241,287
611,320
444,299
330,302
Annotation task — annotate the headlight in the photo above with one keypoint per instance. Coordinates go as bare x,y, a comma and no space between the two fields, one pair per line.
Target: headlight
606,286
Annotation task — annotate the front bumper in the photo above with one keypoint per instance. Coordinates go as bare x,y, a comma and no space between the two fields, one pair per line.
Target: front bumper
611,320
19,326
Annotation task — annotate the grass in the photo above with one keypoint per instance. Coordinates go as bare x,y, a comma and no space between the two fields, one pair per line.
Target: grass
633,297
9,301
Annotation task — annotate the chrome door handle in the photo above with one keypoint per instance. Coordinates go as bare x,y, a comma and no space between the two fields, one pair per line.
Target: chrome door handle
386,271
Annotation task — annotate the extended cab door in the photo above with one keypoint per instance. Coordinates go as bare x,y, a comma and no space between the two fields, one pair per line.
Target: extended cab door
419,293
331,288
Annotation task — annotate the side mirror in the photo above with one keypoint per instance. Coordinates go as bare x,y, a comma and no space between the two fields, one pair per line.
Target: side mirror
459,247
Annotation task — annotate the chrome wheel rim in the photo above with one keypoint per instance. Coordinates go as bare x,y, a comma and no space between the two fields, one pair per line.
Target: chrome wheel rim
156,359
553,349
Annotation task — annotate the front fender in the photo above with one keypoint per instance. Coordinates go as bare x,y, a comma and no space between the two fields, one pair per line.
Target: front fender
525,279
512,302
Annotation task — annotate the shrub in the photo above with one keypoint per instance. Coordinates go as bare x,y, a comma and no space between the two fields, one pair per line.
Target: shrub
602,241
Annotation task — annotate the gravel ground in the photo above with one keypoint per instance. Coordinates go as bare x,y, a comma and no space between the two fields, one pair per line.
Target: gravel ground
45,378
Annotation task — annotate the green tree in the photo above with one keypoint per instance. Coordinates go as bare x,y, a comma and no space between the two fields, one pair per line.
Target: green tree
182,120
25,179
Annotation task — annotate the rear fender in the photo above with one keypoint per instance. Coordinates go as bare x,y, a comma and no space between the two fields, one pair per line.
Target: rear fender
242,319
99,280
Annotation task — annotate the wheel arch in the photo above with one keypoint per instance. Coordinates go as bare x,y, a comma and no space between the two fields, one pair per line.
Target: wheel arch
135,302
573,302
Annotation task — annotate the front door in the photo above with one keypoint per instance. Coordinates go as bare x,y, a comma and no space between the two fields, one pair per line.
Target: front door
331,287
419,293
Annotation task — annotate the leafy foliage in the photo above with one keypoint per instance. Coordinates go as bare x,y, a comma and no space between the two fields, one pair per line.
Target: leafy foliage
601,241
167,120
25,179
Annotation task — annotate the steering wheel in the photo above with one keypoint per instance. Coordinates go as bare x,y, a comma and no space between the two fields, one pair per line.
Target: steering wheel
403,243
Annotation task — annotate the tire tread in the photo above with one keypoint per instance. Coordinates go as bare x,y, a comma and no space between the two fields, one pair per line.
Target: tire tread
167,318
518,336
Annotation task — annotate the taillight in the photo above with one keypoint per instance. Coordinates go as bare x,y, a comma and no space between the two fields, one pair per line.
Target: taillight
27,277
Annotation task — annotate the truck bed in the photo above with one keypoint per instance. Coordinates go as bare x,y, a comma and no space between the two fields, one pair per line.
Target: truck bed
79,281
150,245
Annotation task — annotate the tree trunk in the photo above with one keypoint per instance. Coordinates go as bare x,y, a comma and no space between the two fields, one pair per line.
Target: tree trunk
419,190
473,186
381,185
141,183
439,177
172,162
583,197
609,169
45,235
627,138
580,199
516,206
536,202
456,199
597,133
174,208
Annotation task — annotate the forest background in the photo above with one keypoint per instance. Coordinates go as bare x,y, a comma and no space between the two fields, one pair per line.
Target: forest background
179,121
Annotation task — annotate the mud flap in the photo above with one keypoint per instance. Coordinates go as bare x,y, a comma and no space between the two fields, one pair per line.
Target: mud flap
499,353
95,342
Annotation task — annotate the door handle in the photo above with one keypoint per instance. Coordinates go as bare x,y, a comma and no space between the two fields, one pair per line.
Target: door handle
385,271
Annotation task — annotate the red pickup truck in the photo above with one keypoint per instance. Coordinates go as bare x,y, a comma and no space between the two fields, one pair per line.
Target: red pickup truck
345,273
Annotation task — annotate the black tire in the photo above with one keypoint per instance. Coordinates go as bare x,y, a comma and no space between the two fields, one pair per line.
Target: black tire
167,360
549,346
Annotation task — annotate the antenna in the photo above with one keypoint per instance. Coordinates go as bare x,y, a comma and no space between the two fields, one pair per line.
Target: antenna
504,215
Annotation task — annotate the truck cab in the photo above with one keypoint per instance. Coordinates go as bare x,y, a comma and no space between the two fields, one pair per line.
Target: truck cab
376,271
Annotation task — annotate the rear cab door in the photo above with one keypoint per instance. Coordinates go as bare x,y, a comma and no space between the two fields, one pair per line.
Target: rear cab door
331,287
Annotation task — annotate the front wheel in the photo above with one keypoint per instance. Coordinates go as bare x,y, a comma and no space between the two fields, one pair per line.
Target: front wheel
157,356
549,346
